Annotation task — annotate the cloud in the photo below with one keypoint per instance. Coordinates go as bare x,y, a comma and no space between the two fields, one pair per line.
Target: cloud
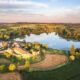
10,4
65,15
16,10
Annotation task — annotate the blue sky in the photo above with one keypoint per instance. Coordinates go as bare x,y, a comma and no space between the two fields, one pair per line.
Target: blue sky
40,11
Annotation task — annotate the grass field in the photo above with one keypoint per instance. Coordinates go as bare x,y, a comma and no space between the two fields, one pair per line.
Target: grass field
70,71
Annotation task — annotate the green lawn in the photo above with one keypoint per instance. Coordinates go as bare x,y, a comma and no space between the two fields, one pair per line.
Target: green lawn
68,72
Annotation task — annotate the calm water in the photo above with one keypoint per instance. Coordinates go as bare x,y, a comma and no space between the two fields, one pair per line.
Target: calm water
53,41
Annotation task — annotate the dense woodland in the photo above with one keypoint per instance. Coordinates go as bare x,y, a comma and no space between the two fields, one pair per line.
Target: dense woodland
14,30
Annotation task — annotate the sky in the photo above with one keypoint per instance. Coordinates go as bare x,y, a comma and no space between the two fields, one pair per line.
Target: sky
42,11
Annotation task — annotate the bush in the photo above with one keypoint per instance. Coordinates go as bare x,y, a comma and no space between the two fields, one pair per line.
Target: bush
72,58
12,67
2,67
77,55
27,65
7,55
45,46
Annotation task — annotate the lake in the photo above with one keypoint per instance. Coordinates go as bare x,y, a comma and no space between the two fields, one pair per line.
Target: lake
53,40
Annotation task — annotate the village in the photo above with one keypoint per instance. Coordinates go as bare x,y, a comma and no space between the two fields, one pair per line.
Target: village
21,53
15,48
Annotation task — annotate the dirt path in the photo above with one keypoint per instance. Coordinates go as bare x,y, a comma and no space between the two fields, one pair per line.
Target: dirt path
3,61
51,60
10,76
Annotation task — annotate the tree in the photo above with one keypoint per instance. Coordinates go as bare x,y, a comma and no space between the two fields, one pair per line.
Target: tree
77,55
72,50
27,65
6,36
68,34
45,46
12,67
43,52
1,35
37,47
72,58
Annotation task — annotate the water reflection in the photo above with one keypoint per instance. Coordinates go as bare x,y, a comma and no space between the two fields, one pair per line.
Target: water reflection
53,40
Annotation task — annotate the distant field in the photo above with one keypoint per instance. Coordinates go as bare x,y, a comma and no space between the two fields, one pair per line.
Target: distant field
14,30
68,72
36,25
